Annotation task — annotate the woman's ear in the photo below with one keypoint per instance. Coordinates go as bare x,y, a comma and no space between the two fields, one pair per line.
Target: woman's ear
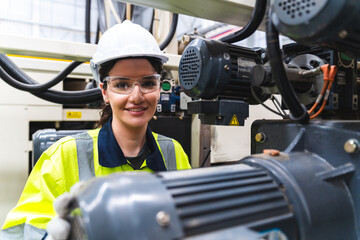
104,93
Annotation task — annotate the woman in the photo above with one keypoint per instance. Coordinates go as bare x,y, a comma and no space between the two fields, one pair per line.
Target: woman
127,65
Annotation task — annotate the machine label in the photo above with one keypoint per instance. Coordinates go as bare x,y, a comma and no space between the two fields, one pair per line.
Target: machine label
244,67
234,121
76,115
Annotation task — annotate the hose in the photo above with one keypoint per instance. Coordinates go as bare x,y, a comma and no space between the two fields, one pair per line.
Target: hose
298,111
253,24
61,97
172,31
31,85
87,20
12,75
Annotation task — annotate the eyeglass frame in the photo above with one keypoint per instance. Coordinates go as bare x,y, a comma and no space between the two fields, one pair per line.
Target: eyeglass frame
158,78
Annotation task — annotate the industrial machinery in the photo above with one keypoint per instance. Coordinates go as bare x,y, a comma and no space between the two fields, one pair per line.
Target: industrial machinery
317,22
209,69
301,181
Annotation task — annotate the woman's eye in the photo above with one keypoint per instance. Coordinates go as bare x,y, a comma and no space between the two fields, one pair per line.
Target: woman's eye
148,83
122,85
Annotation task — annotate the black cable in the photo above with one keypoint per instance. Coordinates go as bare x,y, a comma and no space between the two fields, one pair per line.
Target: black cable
278,108
171,33
33,86
277,104
11,68
61,97
11,73
87,20
205,159
97,32
264,105
255,21
298,111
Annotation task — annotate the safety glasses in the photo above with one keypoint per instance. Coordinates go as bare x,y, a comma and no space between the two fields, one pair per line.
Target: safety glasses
125,85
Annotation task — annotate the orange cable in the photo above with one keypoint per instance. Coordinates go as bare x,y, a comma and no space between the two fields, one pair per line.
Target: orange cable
325,70
333,70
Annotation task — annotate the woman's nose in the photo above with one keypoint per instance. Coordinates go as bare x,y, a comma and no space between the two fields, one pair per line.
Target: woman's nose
136,94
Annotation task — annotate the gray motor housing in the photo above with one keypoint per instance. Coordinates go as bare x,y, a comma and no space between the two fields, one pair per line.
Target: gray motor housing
308,191
326,23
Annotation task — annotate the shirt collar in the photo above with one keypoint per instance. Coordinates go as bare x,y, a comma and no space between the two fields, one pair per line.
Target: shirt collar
111,155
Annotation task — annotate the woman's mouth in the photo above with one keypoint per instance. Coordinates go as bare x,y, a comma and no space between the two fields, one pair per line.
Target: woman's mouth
136,109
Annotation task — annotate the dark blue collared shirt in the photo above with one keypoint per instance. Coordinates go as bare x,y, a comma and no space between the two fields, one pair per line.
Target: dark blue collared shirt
111,155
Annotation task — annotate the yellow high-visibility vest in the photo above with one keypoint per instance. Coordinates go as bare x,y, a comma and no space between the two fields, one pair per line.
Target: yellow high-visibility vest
66,162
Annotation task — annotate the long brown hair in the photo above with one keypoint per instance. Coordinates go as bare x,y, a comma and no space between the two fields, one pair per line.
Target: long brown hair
106,111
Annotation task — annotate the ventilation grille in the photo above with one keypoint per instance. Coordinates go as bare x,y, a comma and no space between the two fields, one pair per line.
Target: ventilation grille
297,11
209,203
189,69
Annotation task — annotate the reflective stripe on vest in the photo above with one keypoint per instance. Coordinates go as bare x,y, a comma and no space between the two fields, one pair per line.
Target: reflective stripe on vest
85,155
22,232
168,150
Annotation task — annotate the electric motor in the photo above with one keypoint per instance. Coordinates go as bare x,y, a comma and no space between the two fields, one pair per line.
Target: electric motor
326,23
296,192
210,69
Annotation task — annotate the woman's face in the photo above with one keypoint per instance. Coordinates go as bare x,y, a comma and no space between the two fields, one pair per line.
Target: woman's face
135,109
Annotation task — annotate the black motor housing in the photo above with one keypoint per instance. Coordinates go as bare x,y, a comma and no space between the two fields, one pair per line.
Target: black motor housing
209,69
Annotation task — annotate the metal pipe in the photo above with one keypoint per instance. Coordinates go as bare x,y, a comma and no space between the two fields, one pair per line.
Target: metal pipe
221,11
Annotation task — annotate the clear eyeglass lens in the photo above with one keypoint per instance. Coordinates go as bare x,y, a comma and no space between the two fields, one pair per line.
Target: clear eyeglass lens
125,85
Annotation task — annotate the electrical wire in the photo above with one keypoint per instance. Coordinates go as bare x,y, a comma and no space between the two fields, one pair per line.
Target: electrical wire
87,20
10,73
171,33
264,105
34,86
205,159
278,105
330,79
97,38
298,111
61,97
253,24
325,69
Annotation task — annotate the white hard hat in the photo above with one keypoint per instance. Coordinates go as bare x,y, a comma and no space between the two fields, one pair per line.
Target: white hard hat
125,40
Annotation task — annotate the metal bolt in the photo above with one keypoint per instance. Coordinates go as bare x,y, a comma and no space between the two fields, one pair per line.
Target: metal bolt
351,146
163,219
185,39
343,34
226,67
260,137
263,55
226,56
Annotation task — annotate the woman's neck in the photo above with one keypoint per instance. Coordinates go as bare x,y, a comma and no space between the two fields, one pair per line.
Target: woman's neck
130,140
